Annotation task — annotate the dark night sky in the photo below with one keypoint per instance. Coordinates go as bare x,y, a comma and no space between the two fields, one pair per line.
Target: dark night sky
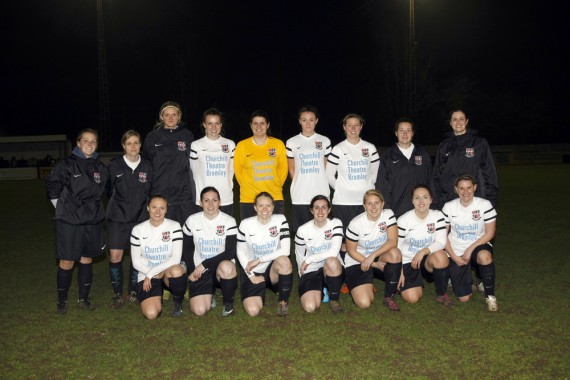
503,61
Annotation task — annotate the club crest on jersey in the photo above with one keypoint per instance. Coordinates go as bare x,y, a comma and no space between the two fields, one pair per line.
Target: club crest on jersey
182,145
382,227
418,160
476,215
220,230
431,228
328,234
142,177
272,152
166,236
97,177
365,152
225,148
469,152
318,145
273,231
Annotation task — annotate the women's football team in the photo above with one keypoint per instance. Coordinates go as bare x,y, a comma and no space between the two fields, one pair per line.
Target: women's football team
171,206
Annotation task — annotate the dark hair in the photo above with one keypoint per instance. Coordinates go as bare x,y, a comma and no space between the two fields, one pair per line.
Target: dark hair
457,110
353,115
464,177
422,187
86,130
213,112
259,113
403,120
321,197
128,134
263,194
155,196
207,189
308,108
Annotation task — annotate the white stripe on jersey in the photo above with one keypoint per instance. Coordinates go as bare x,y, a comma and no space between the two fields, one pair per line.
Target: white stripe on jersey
314,245
467,223
370,235
265,241
155,249
310,177
212,163
209,235
351,171
414,233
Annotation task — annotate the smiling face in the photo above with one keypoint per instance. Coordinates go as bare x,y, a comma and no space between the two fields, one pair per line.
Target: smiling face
213,126
210,203
259,126
352,128
170,117
405,133
264,208
466,191
87,143
373,206
308,121
458,122
157,209
320,211
421,200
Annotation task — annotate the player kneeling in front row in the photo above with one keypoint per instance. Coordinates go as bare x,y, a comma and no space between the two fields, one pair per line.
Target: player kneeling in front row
317,245
156,251
371,242
209,253
472,222
263,252
422,237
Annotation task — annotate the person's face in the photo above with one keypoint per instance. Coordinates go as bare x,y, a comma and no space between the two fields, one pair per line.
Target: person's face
320,211
352,127
132,146
421,200
213,126
170,117
405,133
88,144
459,123
210,203
373,206
264,207
308,122
259,126
157,210
466,190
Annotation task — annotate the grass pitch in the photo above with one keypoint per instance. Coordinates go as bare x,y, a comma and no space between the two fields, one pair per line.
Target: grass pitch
527,338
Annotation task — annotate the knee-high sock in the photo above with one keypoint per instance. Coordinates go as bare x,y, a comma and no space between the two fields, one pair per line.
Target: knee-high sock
63,283
116,274
84,278
392,276
133,278
334,284
229,287
285,285
488,277
177,286
440,279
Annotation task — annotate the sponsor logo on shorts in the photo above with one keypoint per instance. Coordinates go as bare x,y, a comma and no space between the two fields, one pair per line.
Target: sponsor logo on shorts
220,230
166,236
365,152
97,177
142,177
272,152
418,160
469,152
319,145
431,228
273,231
182,145
328,234
476,214
225,148
382,227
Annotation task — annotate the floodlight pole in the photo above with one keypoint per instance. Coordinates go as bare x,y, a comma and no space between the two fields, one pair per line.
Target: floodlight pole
104,123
